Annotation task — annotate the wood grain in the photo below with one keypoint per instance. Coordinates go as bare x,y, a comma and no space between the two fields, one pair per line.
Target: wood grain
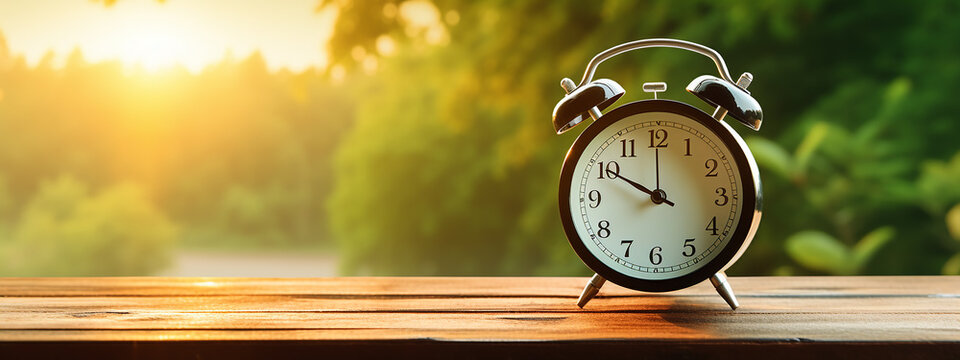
884,316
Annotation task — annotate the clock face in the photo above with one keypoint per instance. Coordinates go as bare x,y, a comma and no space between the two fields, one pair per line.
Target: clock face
657,194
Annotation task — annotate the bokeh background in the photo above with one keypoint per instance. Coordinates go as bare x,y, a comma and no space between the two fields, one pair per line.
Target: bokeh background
315,138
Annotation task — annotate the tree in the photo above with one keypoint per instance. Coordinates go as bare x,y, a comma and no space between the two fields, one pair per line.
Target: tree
66,231
452,166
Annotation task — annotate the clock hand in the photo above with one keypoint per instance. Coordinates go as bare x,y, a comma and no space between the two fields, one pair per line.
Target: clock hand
634,184
656,159
658,195
654,194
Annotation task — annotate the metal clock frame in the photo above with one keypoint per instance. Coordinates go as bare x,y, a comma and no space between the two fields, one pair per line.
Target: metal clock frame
589,97
747,170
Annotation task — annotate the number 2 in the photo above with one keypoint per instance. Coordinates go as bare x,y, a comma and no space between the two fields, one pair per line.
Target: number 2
711,165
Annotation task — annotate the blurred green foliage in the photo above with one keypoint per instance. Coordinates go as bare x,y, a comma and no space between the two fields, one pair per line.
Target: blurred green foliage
232,157
425,148
819,251
452,165
65,230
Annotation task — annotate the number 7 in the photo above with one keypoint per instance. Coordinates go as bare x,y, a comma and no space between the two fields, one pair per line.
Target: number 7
629,243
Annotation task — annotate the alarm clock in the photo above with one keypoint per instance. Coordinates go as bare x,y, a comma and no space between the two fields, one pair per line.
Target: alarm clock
657,195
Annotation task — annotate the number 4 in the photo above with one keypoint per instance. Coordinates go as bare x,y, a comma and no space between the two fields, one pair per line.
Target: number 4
712,226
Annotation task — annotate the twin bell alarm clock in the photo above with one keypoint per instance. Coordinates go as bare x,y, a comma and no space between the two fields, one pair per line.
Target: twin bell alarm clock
657,195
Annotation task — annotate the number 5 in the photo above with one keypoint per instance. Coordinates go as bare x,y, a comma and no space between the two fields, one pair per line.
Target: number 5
687,245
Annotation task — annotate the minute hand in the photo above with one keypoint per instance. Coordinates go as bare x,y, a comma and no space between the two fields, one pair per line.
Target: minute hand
643,188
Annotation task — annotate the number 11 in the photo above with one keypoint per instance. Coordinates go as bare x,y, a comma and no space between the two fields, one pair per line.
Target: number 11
623,146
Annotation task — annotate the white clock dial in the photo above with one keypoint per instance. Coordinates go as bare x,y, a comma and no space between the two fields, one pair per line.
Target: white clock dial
655,196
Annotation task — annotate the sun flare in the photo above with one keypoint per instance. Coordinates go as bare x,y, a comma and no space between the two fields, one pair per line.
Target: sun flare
155,40
151,35
151,48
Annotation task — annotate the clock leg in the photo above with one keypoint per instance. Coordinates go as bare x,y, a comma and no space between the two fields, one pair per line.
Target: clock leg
591,290
719,281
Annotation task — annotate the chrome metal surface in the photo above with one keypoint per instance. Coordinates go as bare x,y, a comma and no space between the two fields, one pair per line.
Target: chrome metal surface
719,281
648,43
591,290
735,100
758,188
654,87
743,82
585,101
568,85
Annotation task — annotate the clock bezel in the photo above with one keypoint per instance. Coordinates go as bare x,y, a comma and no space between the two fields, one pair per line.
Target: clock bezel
746,167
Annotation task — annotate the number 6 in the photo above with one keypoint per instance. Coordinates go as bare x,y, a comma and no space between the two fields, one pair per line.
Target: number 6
655,257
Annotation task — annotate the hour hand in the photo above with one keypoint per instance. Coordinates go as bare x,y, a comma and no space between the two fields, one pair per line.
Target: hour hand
657,196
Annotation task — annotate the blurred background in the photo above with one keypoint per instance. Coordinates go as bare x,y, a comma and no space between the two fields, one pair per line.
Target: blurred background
321,138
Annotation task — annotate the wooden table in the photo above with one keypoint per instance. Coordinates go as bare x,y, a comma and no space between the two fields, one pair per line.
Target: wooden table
445,317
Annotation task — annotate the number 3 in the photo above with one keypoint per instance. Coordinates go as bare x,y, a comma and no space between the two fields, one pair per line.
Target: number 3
722,192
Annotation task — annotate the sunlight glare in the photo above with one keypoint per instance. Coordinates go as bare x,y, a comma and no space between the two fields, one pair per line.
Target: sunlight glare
207,283
154,39
150,48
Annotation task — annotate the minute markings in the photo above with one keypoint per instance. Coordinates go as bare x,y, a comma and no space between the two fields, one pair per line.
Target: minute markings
618,148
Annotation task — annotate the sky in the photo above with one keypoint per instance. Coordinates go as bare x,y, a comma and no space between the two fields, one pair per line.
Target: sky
290,34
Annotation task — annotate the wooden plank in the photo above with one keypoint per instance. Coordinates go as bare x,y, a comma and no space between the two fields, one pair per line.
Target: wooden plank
294,303
402,312
524,326
456,286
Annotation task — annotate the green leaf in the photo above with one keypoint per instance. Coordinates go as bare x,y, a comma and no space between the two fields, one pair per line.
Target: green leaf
810,142
770,155
952,266
953,222
816,250
897,90
870,243
936,187
784,270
